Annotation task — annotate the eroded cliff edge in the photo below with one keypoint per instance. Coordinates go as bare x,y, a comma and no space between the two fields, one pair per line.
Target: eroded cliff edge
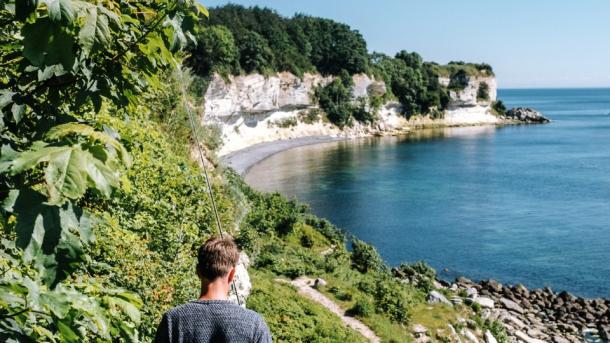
254,109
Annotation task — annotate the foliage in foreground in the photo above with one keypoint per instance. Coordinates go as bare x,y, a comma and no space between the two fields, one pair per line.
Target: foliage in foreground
61,61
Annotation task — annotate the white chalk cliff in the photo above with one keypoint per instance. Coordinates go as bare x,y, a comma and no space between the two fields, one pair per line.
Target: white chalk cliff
254,109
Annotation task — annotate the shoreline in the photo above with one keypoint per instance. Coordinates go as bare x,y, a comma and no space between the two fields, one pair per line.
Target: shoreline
243,160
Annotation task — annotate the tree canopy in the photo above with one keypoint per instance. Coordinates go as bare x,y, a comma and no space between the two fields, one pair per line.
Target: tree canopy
266,42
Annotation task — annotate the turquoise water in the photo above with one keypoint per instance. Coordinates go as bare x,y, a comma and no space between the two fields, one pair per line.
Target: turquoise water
521,204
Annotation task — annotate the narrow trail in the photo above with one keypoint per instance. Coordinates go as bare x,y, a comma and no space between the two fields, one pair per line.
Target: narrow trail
303,285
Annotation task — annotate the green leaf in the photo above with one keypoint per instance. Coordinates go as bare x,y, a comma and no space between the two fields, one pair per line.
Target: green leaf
60,10
201,9
6,98
17,111
57,302
65,130
130,309
95,30
68,170
67,334
47,233
45,43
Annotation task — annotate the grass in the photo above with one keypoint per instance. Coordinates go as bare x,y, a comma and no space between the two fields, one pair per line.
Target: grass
448,69
293,318
437,317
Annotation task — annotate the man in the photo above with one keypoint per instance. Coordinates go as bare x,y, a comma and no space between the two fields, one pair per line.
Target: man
213,318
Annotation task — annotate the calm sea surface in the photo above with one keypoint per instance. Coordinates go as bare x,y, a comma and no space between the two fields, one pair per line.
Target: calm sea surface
521,204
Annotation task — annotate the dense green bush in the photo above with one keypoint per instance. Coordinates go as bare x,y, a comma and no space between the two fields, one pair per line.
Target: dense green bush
414,83
498,107
335,99
483,92
458,80
361,308
365,257
419,274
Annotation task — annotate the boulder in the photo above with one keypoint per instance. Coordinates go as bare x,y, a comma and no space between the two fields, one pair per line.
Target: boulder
484,302
526,115
493,285
527,339
419,330
471,292
559,339
437,298
511,305
489,338
469,336
320,283
604,332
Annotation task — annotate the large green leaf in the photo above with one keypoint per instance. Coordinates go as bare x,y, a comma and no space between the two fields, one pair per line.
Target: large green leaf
52,237
60,10
64,130
69,170
95,30
45,43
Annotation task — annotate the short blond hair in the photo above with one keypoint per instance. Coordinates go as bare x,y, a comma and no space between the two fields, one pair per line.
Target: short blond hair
216,257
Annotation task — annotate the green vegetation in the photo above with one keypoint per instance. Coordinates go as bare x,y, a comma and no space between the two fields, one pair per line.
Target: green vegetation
470,69
414,83
458,80
498,108
293,318
238,39
483,92
335,99
68,67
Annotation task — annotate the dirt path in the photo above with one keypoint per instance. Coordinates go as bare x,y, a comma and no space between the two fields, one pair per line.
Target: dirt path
303,284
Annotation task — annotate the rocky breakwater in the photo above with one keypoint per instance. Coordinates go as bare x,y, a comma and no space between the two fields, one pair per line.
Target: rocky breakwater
539,315
526,115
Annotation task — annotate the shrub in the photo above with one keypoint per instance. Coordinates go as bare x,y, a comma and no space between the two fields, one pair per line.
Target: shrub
306,240
497,330
498,108
390,301
363,112
309,116
419,274
483,92
459,80
284,122
361,308
335,99
365,257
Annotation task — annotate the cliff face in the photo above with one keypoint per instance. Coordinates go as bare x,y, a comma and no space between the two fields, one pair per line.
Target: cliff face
254,109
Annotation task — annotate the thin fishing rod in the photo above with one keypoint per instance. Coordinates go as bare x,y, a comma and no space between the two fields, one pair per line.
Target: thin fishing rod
205,173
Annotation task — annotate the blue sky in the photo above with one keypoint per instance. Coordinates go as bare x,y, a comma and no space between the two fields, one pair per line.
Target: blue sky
529,43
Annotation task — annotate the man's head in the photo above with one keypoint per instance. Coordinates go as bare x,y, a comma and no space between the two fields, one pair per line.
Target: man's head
216,259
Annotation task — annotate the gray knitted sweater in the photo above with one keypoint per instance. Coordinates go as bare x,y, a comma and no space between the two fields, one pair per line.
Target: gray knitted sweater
206,321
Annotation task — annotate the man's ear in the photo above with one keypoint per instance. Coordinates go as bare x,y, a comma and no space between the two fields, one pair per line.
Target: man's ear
231,274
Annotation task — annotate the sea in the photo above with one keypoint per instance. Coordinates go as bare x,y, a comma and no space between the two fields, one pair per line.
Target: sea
526,204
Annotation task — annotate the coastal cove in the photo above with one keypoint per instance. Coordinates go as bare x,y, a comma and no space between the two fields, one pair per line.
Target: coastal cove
520,204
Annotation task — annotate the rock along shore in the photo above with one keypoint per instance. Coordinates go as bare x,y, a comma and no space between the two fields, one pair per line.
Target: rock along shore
539,315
